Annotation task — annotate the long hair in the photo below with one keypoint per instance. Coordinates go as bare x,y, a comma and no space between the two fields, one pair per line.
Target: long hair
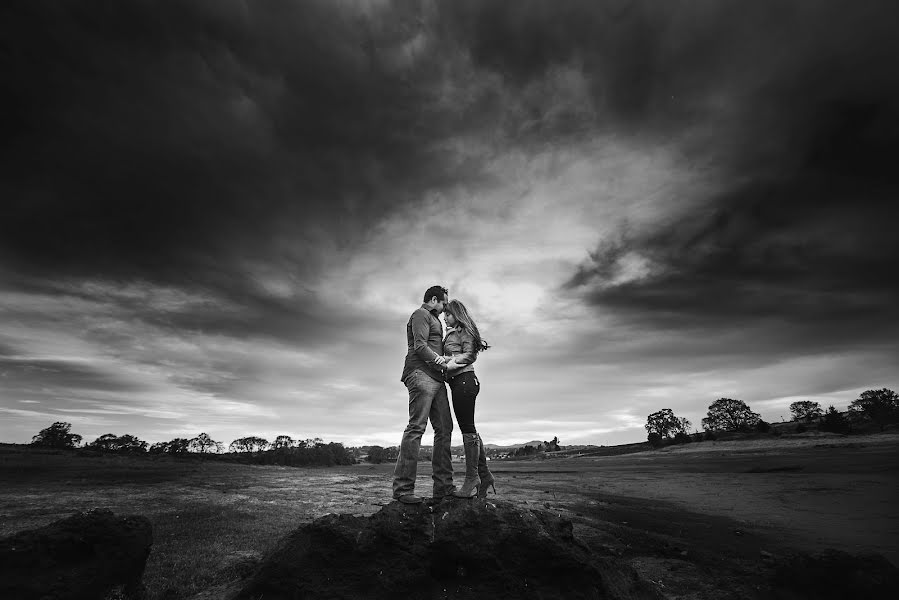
465,322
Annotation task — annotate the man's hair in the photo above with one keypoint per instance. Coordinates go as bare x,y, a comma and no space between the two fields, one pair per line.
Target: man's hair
436,290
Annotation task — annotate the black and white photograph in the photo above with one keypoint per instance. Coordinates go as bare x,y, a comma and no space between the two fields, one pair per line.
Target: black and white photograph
449,299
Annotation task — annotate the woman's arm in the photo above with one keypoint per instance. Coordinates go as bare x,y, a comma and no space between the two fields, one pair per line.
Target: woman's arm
468,355
463,359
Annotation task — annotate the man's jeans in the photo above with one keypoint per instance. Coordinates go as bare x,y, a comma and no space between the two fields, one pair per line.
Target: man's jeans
427,400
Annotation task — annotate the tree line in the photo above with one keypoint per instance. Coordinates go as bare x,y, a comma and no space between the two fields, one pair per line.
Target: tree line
880,407
283,450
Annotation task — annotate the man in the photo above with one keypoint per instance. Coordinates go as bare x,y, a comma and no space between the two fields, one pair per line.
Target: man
423,375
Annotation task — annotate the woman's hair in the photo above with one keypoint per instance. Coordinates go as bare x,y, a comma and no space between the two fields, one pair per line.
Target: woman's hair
465,322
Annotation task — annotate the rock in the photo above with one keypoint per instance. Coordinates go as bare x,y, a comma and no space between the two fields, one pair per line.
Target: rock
84,557
457,549
834,575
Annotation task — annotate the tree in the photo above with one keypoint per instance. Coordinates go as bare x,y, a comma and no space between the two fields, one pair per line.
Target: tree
682,437
129,443
309,443
805,410
203,444
834,421
248,444
552,445
727,414
665,424
880,406
525,451
111,442
105,442
376,455
176,446
283,441
57,436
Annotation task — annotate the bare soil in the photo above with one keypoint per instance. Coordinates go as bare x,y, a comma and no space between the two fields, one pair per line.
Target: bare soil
697,521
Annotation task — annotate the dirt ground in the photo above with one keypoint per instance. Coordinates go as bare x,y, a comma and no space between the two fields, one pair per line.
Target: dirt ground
709,520
811,493
696,520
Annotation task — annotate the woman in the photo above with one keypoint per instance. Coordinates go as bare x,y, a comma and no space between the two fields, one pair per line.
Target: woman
462,344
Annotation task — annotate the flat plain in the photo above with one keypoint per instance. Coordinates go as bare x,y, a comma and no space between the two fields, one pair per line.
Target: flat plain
696,520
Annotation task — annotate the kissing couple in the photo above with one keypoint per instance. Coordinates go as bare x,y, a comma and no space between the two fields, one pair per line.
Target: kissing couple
432,361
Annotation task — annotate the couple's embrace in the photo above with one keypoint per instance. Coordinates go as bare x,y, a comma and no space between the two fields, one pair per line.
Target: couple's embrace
431,363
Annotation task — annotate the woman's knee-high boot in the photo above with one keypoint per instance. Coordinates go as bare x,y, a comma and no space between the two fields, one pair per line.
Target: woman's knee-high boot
472,451
484,473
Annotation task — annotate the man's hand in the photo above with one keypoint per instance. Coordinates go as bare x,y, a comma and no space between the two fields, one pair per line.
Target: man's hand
452,365
439,360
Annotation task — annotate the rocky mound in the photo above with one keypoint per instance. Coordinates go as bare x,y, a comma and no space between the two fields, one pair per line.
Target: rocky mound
456,549
87,555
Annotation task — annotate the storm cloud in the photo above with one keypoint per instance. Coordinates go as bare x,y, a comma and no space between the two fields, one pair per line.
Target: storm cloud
211,209
181,139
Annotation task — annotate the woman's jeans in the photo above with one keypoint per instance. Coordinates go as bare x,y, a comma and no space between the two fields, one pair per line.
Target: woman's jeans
465,388
427,400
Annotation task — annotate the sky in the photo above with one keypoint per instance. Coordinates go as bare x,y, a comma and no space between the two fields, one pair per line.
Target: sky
217,216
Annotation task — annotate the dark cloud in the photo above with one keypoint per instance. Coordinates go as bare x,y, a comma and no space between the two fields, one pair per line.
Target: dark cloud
172,142
800,232
617,44
22,373
679,63
647,64
810,259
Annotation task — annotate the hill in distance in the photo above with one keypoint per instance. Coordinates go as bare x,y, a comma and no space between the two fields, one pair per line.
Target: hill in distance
533,443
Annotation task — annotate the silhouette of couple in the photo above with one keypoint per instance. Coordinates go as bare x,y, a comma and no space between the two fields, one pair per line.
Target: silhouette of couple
432,361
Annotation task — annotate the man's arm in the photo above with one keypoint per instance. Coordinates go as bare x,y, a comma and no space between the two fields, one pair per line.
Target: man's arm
421,329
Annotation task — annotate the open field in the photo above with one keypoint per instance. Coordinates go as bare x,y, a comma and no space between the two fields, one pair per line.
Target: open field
692,519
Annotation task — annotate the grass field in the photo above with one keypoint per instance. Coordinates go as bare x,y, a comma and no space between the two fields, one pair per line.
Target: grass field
674,514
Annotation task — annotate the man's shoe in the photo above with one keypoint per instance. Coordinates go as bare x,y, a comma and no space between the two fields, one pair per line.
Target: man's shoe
409,499
443,492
